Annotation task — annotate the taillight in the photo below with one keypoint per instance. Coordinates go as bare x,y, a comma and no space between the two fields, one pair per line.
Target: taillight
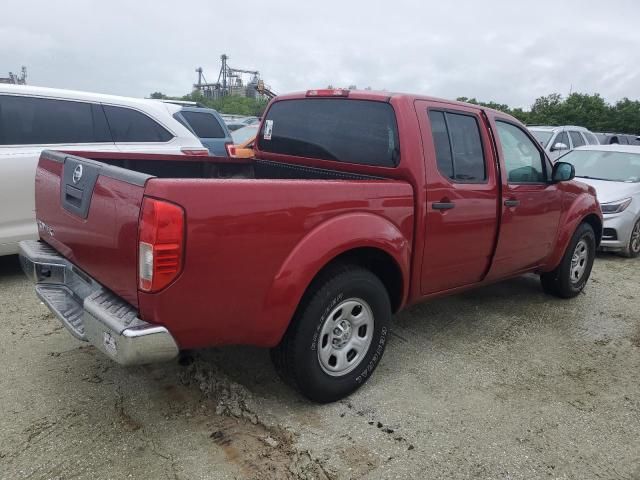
160,244
199,152
231,149
328,92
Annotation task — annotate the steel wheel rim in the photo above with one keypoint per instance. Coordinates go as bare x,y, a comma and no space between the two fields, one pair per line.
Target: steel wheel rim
345,337
579,261
635,238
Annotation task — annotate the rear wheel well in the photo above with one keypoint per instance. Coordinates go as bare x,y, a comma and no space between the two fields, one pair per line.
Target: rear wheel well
596,224
380,263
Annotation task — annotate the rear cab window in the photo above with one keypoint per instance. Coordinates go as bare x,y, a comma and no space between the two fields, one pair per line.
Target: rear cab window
203,124
344,130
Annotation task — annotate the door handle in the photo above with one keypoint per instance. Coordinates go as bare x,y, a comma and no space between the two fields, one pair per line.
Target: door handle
443,205
511,203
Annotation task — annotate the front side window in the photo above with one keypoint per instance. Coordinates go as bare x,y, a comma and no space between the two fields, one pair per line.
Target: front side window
563,138
523,161
543,136
576,139
204,124
591,138
45,121
128,125
458,146
338,129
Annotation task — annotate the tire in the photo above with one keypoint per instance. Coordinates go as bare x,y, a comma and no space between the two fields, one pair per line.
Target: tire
633,249
569,278
345,310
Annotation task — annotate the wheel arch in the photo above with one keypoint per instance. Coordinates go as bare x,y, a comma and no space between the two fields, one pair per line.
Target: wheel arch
582,213
363,239
595,222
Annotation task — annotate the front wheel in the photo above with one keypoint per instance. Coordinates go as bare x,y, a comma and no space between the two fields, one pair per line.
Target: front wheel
337,336
570,277
633,249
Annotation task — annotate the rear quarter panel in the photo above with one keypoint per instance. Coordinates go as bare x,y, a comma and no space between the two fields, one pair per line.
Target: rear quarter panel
253,246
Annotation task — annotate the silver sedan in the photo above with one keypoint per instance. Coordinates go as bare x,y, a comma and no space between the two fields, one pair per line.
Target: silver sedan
614,171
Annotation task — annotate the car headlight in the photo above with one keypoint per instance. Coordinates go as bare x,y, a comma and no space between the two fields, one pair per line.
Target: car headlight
615,207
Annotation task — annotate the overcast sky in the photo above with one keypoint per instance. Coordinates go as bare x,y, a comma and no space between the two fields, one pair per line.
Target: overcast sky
506,51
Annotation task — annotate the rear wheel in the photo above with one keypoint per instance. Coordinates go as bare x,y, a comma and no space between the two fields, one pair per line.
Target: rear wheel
337,336
633,249
571,275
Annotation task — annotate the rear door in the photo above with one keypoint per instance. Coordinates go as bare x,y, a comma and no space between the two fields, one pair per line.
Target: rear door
531,204
89,211
462,196
209,128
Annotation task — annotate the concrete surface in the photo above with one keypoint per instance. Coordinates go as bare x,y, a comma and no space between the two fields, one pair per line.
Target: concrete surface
499,383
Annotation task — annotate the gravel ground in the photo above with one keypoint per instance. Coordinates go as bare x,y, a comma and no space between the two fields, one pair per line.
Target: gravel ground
499,383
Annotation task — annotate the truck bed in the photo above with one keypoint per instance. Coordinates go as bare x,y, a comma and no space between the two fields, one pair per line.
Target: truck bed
177,166
245,221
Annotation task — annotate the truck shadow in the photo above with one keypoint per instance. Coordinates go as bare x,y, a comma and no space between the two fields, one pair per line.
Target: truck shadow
440,323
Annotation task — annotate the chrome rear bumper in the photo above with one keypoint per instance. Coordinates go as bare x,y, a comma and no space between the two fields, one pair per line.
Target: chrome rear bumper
91,312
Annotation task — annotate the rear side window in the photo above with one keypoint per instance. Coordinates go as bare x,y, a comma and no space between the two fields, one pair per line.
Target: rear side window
577,139
42,121
204,124
351,131
129,125
458,146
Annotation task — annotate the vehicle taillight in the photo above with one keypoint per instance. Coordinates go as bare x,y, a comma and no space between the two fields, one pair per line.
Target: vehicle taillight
328,92
160,244
231,149
200,152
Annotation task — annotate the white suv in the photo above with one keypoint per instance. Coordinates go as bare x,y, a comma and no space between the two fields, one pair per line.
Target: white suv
33,119
559,140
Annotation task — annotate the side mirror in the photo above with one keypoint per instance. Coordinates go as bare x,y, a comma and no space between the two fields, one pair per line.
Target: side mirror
563,172
559,146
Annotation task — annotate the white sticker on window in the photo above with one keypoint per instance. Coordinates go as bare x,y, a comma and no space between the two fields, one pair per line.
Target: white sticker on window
268,128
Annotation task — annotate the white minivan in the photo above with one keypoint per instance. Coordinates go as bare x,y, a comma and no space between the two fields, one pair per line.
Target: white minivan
33,119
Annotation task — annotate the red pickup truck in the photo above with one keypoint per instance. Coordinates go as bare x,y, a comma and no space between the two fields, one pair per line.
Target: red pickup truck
357,205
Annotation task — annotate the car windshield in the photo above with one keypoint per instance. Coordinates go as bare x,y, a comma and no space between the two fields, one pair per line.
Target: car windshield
605,165
543,136
243,134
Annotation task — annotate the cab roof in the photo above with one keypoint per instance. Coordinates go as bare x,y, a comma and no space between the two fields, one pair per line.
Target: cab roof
385,96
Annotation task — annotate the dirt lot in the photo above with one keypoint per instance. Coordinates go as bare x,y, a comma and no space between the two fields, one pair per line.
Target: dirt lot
500,383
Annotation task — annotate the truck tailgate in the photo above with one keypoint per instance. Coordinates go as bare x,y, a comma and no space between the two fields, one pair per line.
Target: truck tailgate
88,211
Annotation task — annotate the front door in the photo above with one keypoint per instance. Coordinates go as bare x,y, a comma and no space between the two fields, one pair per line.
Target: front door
531,203
462,196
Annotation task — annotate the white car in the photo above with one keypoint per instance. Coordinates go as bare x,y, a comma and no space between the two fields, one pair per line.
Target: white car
559,140
614,171
33,119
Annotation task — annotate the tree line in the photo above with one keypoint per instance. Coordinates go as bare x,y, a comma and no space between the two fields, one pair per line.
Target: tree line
230,104
585,110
